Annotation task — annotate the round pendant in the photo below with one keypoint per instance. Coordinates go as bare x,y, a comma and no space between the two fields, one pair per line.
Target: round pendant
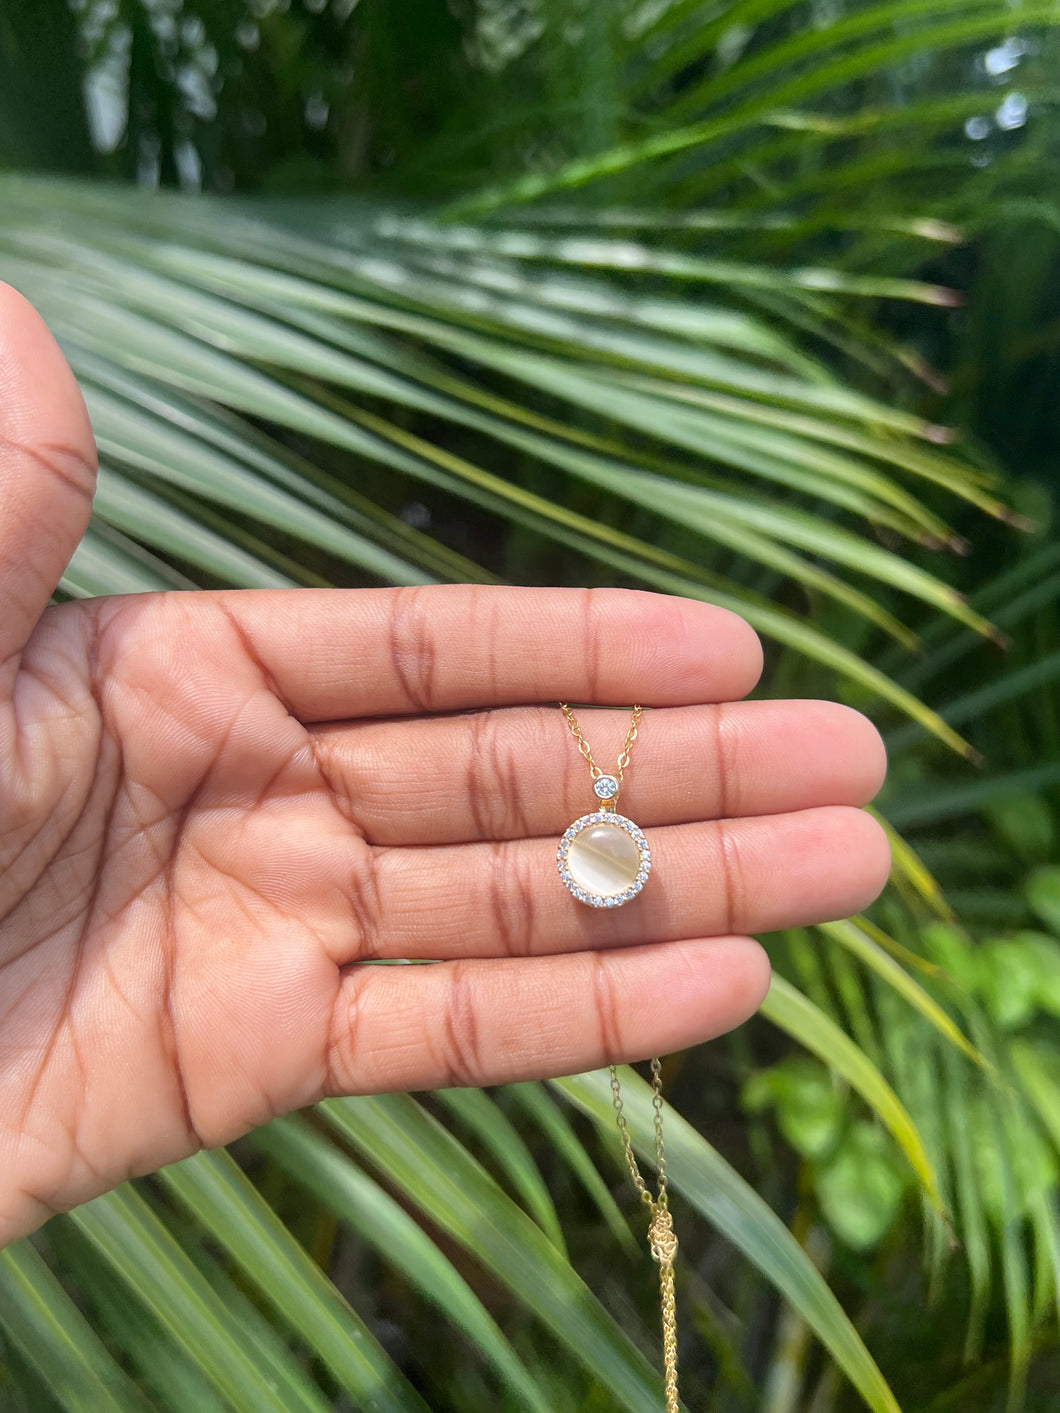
604,859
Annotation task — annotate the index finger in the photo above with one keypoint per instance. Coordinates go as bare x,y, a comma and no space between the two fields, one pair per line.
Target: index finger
331,654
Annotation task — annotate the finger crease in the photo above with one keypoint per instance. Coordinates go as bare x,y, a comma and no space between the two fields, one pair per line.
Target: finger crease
168,1017
341,1040
412,651
724,757
248,645
731,879
67,464
477,788
336,792
603,994
366,906
504,888
591,644
462,1062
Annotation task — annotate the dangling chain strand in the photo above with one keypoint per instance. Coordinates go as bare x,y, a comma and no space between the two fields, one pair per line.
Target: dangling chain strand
583,744
661,1236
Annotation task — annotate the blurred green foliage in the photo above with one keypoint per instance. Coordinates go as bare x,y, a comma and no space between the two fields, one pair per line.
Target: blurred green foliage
757,301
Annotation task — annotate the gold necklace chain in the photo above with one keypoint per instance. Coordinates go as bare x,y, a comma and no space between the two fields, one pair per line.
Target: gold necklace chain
583,744
661,1236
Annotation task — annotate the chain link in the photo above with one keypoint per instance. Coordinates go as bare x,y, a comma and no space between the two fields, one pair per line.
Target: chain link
583,744
661,1236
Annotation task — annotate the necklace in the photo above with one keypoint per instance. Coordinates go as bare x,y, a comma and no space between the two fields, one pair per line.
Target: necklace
604,860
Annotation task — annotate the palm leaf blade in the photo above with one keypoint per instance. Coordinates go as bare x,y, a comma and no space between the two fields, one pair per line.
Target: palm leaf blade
703,1177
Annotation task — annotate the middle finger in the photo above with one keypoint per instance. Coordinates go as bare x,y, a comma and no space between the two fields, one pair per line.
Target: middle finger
516,773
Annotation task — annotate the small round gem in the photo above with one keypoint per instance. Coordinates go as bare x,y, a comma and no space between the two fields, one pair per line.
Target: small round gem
605,787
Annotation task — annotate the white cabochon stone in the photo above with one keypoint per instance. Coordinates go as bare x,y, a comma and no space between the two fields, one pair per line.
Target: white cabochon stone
604,859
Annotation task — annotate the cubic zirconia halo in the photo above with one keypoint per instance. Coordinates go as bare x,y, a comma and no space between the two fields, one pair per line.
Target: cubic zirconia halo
635,860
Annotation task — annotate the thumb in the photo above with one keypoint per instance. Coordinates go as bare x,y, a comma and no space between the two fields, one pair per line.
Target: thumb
47,472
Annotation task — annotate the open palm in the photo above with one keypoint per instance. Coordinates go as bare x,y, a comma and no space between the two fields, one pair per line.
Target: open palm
216,808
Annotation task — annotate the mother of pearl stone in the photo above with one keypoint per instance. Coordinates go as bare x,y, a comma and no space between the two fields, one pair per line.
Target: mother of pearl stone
603,859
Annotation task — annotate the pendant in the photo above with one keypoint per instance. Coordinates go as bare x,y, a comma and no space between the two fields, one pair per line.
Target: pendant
603,858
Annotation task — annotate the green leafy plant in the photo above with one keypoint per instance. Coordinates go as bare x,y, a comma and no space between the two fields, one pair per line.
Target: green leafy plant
686,345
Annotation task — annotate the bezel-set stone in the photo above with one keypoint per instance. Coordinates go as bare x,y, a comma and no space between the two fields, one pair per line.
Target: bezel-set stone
605,787
585,895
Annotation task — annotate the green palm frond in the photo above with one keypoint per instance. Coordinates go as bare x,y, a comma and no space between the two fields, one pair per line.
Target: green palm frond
710,457
646,333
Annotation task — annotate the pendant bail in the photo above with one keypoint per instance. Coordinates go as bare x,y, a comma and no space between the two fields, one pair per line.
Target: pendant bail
606,788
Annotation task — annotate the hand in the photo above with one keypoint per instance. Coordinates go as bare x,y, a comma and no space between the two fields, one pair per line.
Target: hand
215,807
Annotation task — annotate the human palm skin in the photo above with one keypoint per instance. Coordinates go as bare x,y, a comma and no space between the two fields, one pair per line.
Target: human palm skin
216,809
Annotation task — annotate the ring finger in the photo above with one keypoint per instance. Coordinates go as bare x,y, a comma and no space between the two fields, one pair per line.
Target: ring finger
714,879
